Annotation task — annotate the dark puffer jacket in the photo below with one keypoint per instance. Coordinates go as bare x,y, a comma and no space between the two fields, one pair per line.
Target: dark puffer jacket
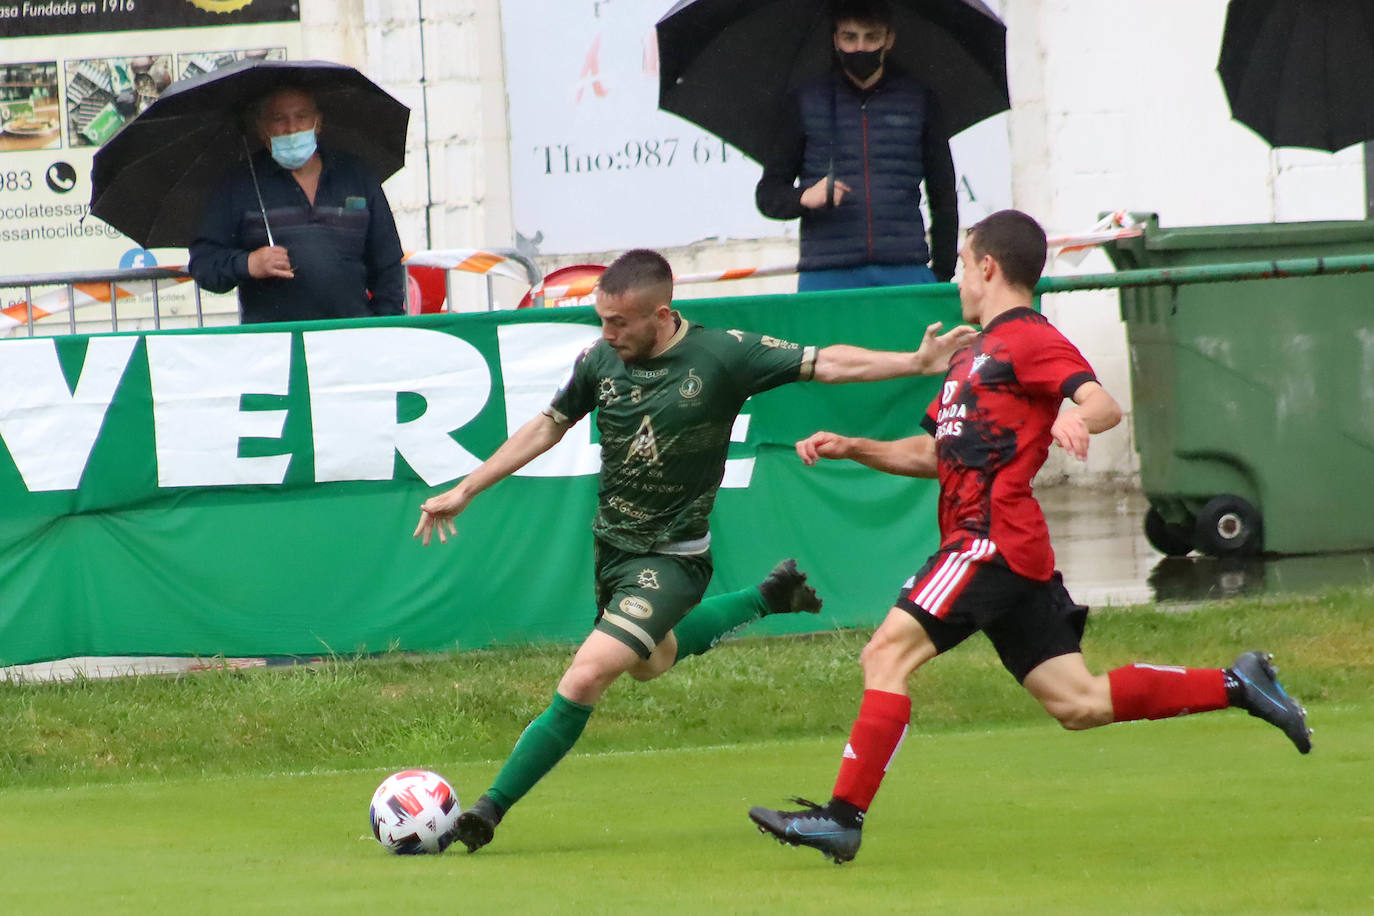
883,142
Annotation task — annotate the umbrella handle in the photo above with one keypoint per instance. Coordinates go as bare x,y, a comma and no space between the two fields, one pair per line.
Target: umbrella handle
258,191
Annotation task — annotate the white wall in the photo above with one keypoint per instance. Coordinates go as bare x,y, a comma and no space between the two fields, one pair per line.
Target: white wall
1116,104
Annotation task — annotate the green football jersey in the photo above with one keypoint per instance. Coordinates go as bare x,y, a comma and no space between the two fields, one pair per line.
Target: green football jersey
665,427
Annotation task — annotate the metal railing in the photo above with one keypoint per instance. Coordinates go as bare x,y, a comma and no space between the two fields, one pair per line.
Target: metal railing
75,289
42,296
81,289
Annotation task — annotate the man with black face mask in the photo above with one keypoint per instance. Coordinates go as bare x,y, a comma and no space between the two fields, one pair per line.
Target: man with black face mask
851,154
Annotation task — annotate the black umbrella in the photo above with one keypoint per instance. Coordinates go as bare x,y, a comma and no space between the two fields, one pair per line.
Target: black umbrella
151,180
727,65
1301,72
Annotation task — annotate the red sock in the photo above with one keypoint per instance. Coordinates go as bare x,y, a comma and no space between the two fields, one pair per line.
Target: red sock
1161,692
873,742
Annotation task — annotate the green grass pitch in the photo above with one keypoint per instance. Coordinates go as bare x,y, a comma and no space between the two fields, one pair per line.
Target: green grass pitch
247,791
1214,814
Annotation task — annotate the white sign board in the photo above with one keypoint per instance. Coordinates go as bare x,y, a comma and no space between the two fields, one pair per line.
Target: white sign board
595,166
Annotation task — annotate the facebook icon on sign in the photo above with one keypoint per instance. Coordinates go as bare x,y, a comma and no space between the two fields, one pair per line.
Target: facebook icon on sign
137,257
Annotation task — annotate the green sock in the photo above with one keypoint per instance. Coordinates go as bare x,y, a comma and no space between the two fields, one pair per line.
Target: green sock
541,746
715,618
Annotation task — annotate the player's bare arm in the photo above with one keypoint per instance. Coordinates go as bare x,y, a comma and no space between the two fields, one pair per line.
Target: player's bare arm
913,456
844,363
1094,411
527,443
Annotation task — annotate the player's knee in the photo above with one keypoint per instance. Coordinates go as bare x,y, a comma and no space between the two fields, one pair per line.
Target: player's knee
584,683
885,657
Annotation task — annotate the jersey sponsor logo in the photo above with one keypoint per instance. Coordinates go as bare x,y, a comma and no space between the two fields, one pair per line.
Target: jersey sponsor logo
636,607
738,335
691,385
644,444
948,394
978,364
648,578
647,374
636,393
625,507
950,420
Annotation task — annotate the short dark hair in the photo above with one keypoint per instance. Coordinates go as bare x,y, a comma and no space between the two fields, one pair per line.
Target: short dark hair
640,270
874,12
1015,241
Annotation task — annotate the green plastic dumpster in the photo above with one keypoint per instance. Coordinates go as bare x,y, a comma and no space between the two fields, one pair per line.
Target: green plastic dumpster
1253,400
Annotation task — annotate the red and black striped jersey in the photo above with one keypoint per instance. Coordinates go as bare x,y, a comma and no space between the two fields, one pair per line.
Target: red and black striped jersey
991,422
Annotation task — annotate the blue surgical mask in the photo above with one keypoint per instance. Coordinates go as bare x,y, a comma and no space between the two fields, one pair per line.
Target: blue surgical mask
291,151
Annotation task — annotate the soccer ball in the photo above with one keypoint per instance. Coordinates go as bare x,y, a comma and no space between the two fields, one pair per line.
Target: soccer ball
412,810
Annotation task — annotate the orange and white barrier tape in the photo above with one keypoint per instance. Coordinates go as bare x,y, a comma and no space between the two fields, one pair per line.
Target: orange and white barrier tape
57,301
470,260
1119,224
584,286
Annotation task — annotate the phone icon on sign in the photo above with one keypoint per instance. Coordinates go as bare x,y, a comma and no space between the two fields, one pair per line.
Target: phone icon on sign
61,177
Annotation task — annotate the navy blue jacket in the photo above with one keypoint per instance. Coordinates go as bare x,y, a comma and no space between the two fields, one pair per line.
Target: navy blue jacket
342,248
883,141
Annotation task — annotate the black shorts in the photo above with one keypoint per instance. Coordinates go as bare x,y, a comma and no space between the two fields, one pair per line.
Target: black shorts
1028,622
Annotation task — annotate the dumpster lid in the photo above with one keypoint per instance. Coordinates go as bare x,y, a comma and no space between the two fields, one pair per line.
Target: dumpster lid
1251,235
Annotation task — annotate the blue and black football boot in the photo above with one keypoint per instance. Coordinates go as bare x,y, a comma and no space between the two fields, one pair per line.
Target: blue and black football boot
1252,684
836,835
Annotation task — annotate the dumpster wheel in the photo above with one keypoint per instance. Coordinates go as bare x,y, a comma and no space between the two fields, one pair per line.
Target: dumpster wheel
1168,538
1228,526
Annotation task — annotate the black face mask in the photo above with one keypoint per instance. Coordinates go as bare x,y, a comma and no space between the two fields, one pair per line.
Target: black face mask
861,64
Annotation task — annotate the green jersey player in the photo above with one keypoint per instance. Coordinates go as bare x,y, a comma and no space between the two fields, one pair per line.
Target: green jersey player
666,394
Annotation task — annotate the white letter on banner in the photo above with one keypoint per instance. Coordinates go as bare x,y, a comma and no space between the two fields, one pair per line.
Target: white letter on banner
535,360
198,382
356,376
738,471
49,429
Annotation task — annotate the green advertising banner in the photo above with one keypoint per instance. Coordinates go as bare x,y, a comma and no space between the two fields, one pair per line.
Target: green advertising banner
252,491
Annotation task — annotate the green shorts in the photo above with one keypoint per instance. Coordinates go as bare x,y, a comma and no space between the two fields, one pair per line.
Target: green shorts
640,597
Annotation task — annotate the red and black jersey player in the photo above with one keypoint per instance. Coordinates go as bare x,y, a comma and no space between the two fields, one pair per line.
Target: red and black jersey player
986,435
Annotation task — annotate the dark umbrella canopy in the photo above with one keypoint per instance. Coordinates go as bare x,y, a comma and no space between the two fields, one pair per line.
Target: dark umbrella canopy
151,180
1301,72
728,65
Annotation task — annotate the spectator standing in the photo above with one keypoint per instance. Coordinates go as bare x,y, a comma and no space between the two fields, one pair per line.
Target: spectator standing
851,154
302,232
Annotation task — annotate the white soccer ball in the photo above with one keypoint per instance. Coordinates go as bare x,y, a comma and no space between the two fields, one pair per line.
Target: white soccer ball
412,810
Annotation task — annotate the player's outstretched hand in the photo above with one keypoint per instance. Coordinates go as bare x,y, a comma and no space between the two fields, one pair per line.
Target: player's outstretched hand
437,514
822,445
937,348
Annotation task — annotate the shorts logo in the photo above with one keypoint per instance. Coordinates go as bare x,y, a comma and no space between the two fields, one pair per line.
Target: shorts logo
648,578
636,607
691,385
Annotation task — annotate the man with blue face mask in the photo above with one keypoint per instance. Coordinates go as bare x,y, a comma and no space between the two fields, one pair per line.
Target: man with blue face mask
849,158
332,250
